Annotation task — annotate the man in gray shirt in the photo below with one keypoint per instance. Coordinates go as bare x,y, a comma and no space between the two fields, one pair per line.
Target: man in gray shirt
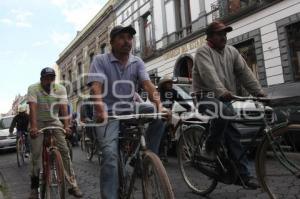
112,79
217,68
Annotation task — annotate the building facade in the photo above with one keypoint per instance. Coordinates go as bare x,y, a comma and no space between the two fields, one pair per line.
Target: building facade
266,32
75,60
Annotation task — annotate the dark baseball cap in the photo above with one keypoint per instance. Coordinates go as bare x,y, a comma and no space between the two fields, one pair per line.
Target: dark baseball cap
218,26
121,29
47,71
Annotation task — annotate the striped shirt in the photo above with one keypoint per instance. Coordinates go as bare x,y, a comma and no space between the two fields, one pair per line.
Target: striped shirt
47,104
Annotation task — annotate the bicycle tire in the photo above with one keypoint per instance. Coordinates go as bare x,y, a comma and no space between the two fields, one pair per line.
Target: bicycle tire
82,139
69,144
193,136
272,163
55,180
89,149
20,152
153,167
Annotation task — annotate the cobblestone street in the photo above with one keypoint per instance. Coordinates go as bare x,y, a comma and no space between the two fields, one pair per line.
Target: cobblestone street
17,180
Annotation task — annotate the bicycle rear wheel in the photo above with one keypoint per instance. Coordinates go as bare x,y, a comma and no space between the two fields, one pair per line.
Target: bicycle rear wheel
189,146
89,148
20,152
55,180
69,144
155,178
278,164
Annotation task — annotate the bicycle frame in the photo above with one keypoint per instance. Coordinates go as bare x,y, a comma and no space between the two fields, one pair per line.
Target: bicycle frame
267,131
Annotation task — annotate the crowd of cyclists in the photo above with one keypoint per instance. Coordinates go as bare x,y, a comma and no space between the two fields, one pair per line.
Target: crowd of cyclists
216,70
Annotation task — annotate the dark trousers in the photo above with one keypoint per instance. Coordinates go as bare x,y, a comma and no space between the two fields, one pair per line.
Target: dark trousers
223,131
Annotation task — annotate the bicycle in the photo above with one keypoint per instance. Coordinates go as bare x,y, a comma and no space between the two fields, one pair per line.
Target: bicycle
277,159
169,142
89,143
53,175
136,160
21,148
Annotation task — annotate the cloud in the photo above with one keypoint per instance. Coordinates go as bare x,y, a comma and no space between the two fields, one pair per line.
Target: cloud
6,21
40,43
19,18
61,38
78,12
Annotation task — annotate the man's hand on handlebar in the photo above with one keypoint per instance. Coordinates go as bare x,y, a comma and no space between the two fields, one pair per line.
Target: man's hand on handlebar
101,117
68,131
261,94
34,132
226,97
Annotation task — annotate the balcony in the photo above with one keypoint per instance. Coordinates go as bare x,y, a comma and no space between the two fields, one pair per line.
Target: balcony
229,9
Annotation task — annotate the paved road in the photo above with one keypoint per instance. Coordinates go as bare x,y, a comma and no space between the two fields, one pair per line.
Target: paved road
17,180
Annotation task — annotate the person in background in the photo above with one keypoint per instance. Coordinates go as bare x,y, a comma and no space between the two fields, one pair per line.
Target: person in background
21,122
46,101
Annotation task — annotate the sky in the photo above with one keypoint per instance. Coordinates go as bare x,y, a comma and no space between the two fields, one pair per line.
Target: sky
32,35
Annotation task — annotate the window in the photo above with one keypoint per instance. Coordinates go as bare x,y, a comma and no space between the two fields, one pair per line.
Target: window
91,57
148,35
64,77
70,75
293,33
79,68
247,50
183,17
103,48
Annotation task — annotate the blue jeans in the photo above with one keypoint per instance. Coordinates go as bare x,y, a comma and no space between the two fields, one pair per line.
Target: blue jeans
223,130
109,180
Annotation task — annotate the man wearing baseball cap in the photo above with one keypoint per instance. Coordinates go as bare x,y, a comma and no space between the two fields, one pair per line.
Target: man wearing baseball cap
217,69
46,100
116,74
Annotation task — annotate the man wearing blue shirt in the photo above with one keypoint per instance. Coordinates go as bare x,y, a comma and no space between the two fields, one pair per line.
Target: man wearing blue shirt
112,79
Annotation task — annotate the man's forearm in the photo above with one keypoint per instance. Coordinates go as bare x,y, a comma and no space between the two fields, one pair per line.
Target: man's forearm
64,112
153,94
96,90
32,115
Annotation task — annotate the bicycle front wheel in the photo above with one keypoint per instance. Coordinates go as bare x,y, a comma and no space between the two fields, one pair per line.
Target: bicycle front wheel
155,178
55,182
190,144
20,152
278,164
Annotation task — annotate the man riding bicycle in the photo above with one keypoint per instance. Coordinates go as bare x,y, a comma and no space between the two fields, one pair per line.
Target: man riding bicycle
113,77
217,68
21,121
46,100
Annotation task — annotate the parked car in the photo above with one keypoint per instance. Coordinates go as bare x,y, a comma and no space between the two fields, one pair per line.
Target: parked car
7,141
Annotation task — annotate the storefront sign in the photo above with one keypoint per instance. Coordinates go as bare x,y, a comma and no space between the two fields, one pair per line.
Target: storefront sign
185,48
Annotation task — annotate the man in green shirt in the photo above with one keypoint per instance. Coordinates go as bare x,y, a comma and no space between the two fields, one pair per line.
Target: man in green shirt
46,100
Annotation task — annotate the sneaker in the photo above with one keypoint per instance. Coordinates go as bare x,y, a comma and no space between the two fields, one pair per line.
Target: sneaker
34,194
75,191
26,155
247,182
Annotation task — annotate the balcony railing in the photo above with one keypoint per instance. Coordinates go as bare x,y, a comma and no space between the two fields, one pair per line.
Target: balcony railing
223,9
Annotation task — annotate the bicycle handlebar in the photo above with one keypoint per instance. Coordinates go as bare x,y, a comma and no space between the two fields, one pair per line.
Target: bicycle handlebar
259,99
136,116
51,128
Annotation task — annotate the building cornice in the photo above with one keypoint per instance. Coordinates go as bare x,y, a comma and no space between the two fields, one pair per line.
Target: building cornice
103,14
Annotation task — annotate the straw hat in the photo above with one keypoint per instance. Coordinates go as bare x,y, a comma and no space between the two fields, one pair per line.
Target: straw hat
164,80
